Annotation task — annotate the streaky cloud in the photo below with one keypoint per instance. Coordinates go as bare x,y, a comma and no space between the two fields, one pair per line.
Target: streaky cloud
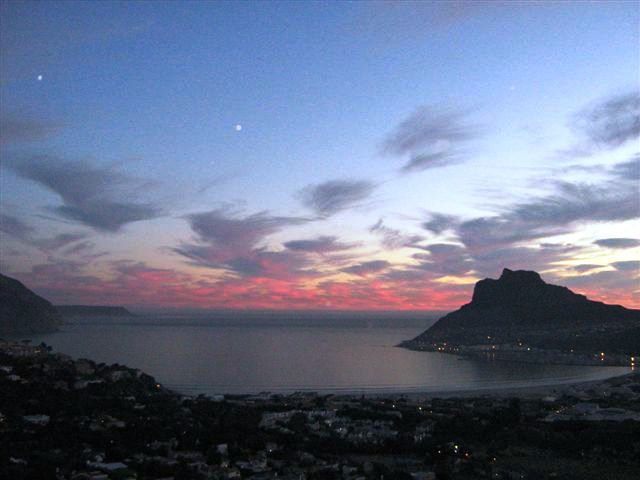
218,228
367,268
18,129
440,222
18,229
585,267
627,266
628,171
607,124
334,196
58,241
431,137
393,238
90,194
231,242
15,227
618,242
613,200
79,248
423,161
323,244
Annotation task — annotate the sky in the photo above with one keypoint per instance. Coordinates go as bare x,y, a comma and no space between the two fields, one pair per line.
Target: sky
318,155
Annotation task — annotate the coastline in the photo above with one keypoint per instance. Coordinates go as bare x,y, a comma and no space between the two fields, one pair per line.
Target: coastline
559,387
522,353
93,420
502,389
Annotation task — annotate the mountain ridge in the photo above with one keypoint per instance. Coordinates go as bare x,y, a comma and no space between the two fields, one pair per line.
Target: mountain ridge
24,312
521,308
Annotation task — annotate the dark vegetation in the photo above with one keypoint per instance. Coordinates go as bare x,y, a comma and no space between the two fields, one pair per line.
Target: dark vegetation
72,419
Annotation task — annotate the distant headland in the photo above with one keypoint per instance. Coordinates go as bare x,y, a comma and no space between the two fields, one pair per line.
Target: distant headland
24,312
71,311
519,317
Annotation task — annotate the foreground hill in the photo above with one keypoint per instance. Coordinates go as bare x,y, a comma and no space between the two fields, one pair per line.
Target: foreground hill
521,310
23,312
78,419
71,311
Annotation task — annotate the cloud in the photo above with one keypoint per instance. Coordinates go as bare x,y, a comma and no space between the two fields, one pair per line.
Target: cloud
234,233
58,241
627,266
585,267
233,243
445,259
393,239
15,227
25,233
246,266
331,197
431,137
80,248
554,214
491,261
324,244
620,286
618,242
16,129
91,195
440,222
493,242
424,161
610,122
628,171
367,268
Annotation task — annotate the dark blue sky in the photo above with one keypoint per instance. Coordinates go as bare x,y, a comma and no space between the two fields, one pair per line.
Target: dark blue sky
317,154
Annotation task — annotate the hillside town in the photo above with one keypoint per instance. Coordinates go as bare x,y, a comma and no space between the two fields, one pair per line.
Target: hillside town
62,418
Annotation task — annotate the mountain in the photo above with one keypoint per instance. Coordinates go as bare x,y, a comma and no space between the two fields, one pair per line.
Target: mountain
521,309
24,312
72,311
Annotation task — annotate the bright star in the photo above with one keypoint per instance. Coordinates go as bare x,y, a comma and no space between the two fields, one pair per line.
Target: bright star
39,77
238,127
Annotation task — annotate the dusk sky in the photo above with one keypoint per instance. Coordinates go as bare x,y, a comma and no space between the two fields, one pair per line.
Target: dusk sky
318,155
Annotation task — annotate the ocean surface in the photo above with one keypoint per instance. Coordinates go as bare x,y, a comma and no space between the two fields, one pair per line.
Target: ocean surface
354,355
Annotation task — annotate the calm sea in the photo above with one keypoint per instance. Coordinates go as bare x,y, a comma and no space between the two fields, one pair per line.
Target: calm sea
211,356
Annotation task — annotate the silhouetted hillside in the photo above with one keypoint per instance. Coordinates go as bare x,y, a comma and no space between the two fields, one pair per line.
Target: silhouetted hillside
520,307
23,312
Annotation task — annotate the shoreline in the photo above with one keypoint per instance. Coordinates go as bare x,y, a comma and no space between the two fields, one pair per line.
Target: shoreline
514,388
92,420
552,386
525,354
524,391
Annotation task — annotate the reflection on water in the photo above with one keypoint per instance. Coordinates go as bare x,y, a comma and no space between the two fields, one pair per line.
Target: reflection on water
224,359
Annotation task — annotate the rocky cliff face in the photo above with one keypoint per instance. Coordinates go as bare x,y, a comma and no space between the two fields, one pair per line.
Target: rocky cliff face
521,288
521,306
24,312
